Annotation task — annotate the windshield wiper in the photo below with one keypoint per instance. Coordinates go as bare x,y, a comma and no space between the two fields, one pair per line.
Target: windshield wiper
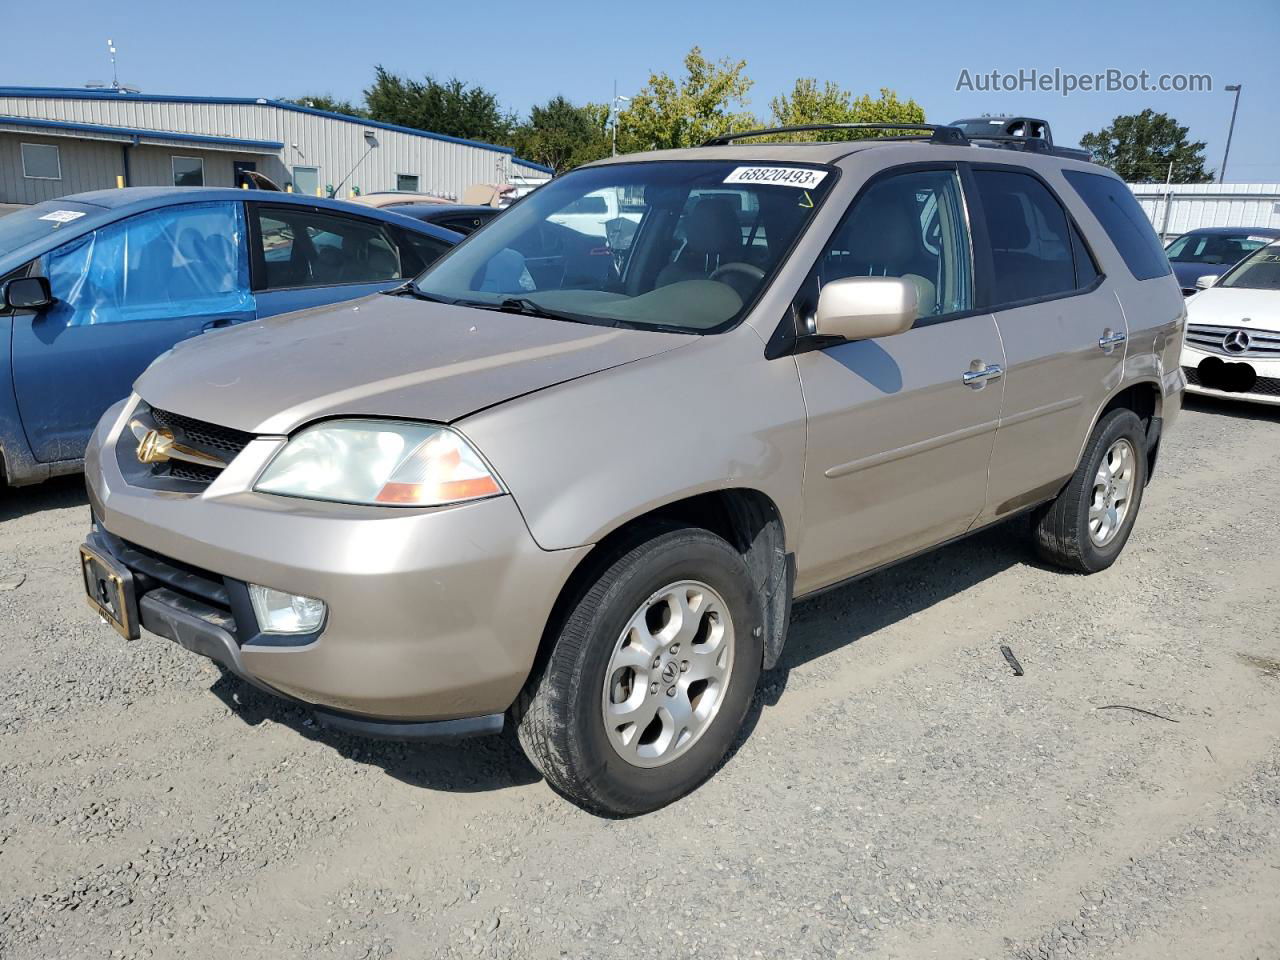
410,289
528,308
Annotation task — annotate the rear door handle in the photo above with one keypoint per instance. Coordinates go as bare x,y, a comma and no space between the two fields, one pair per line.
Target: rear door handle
1108,341
979,378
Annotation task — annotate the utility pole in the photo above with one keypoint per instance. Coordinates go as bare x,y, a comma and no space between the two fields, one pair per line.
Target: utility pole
613,105
1168,201
1231,87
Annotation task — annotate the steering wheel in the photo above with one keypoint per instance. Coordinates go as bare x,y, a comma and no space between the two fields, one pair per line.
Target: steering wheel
749,270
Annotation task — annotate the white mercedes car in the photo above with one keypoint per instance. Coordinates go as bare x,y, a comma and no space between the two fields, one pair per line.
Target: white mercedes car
1232,345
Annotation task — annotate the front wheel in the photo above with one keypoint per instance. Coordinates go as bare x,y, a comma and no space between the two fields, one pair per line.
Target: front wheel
1087,525
650,677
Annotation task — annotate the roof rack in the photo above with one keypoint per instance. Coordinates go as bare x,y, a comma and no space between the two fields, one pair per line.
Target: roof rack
938,133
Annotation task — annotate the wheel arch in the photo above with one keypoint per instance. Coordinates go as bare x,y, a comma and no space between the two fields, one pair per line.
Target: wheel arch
1145,398
745,517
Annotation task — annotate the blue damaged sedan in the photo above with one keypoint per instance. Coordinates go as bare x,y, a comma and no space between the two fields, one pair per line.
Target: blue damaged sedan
95,286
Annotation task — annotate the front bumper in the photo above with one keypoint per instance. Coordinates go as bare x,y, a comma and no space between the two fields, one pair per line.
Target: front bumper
1265,387
433,615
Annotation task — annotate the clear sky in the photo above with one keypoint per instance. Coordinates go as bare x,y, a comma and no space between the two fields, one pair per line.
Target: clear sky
530,51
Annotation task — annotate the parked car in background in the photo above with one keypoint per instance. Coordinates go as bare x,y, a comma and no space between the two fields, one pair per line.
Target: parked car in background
1211,251
95,286
394,198
1232,344
451,216
585,501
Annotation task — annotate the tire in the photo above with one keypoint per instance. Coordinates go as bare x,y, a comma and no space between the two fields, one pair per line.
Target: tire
561,717
1062,528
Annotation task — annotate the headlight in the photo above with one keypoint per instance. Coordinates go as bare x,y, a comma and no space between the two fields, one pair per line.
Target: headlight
379,462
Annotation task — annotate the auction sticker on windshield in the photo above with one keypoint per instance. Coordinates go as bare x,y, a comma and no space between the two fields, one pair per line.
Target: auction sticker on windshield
802,178
63,216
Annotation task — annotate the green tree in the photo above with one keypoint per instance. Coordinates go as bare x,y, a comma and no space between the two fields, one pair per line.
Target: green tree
325,101
830,103
453,107
706,102
1140,146
562,135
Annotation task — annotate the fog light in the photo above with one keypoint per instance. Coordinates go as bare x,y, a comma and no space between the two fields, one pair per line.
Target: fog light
280,612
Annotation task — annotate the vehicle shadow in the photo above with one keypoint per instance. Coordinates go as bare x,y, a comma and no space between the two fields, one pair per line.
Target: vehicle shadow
1236,409
819,626
844,615
53,494
460,766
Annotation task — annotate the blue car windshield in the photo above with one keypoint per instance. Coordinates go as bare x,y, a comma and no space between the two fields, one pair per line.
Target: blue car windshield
40,221
685,246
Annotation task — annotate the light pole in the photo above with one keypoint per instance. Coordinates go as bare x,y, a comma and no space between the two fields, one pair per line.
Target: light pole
1231,87
616,100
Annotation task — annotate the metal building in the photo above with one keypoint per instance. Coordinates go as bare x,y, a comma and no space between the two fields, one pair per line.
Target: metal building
56,141
1174,209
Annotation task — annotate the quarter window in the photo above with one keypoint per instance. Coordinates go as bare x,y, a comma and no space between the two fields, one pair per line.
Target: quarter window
1029,236
40,161
188,172
911,225
302,248
1120,215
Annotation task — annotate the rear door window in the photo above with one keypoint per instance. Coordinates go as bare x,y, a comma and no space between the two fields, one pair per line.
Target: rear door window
304,248
1029,236
1122,218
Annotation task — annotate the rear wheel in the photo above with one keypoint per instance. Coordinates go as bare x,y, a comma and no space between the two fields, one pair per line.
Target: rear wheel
1088,524
650,677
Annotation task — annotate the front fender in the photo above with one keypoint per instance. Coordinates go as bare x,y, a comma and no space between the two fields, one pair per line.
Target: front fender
587,456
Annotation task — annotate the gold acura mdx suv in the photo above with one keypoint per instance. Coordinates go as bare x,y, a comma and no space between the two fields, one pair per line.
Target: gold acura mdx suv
573,475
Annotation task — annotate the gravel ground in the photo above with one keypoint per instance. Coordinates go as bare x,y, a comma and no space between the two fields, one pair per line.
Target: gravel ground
898,793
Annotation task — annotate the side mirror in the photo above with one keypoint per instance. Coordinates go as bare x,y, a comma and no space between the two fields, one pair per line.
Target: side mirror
27,293
859,308
1205,282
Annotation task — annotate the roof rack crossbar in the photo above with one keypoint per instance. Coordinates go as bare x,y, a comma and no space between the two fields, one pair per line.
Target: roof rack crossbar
938,133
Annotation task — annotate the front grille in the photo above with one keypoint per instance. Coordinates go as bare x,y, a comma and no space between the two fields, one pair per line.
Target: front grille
1263,344
177,474
225,442
1266,386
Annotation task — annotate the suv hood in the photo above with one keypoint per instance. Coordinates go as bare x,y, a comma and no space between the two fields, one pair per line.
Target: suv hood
381,356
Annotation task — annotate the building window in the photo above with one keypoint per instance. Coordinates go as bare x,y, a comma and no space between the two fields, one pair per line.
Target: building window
188,172
40,161
306,180
407,181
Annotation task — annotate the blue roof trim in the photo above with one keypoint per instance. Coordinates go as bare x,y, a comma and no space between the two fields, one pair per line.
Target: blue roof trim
75,93
138,132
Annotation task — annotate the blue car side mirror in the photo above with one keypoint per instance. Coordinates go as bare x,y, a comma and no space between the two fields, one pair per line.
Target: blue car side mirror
27,293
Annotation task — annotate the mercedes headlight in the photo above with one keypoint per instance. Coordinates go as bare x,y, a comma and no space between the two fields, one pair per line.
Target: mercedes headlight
379,462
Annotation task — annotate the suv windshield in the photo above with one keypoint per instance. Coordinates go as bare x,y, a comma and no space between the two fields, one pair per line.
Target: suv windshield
673,245
1258,271
1213,248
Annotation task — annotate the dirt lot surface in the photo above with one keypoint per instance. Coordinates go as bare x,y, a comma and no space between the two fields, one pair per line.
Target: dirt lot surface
899,792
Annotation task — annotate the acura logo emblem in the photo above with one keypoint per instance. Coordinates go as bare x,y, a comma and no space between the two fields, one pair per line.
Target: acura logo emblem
1237,341
157,445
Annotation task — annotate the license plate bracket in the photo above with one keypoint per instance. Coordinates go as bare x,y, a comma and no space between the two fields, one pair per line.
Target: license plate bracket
109,588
